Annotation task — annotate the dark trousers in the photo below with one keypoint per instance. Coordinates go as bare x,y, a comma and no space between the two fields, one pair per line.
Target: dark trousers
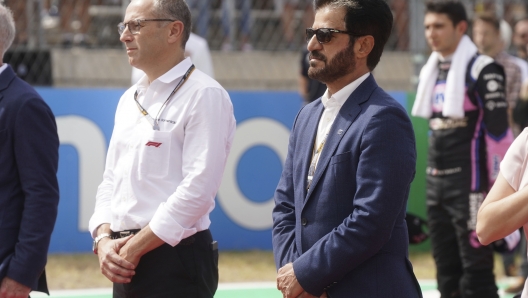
188,270
464,266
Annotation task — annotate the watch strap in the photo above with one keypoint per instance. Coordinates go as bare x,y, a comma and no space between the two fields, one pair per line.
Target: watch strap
97,239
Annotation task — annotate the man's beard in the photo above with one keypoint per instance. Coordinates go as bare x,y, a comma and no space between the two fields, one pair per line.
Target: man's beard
342,64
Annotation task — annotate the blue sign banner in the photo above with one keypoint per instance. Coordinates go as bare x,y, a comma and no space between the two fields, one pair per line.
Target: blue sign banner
242,217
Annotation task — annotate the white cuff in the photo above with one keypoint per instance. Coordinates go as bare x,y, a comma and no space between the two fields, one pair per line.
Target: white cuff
168,229
97,219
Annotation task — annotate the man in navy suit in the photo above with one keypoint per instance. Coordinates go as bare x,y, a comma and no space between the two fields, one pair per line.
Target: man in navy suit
339,219
29,192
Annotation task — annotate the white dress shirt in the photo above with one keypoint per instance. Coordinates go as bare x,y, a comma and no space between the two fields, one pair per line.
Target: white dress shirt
166,179
333,105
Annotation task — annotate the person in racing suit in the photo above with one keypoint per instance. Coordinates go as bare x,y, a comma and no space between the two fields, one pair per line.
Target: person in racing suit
468,138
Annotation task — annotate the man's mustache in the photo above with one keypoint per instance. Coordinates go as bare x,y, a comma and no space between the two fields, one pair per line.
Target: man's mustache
317,55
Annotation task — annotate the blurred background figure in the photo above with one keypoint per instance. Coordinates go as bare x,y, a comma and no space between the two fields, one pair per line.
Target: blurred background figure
289,9
74,21
229,10
201,16
487,38
309,88
520,38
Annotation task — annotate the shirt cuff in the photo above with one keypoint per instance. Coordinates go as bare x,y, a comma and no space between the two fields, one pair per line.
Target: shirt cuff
97,219
167,228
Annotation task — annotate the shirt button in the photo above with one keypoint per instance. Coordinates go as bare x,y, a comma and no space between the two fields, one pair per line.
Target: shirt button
304,221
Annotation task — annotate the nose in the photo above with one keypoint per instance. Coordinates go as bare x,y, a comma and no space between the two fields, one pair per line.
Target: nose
313,44
126,36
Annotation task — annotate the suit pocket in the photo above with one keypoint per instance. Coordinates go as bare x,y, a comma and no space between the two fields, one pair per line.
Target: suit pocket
343,157
344,168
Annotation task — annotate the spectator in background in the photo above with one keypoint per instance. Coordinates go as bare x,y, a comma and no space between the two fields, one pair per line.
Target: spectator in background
75,21
520,38
309,88
487,38
20,17
203,12
197,49
506,35
452,87
203,19
29,191
228,11
288,8
400,9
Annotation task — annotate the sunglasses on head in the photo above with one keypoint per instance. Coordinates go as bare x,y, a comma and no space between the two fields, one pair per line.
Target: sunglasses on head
323,35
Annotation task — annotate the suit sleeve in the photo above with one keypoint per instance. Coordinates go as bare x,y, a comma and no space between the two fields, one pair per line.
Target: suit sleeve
36,145
498,135
383,177
283,233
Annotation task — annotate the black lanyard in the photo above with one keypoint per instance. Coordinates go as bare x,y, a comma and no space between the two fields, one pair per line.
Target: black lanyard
152,121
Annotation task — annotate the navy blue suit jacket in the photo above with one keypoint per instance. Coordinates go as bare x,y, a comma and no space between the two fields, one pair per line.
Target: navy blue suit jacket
347,234
29,192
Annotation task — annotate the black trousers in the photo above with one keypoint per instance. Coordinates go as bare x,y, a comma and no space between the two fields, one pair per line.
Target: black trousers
188,270
464,266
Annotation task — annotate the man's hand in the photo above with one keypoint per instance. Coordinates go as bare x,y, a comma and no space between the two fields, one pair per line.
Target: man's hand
12,289
113,266
128,253
287,283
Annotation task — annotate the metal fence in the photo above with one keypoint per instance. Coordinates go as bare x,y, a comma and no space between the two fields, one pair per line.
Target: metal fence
228,25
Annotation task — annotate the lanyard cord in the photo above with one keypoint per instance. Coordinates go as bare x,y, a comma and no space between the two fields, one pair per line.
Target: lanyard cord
315,159
154,122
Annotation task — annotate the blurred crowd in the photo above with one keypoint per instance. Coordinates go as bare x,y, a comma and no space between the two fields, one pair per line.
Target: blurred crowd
226,24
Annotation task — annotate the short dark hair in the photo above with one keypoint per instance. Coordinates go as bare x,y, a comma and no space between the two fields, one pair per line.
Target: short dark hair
175,10
489,18
365,17
454,10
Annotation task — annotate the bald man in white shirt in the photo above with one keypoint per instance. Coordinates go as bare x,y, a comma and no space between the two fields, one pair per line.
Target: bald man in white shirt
172,135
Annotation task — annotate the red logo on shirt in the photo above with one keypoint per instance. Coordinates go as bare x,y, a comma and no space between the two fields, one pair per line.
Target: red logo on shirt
154,144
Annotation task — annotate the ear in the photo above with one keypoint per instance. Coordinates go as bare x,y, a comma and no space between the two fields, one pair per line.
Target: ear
461,27
363,46
176,32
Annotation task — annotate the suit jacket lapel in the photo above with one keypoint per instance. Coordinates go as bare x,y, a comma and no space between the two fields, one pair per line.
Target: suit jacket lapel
308,140
5,79
344,119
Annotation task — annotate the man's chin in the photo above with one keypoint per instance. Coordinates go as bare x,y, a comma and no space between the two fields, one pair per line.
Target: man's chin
315,76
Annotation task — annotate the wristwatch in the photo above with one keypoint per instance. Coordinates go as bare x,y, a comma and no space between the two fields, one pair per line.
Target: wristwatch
96,241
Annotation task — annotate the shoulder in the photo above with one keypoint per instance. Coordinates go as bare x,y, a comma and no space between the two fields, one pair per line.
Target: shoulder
383,101
483,65
513,165
201,82
19,94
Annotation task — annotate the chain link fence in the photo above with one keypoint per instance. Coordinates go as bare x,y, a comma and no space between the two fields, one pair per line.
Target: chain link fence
230,26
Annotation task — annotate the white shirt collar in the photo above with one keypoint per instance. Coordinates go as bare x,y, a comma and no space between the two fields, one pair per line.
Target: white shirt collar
3,67
170,76
342,95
